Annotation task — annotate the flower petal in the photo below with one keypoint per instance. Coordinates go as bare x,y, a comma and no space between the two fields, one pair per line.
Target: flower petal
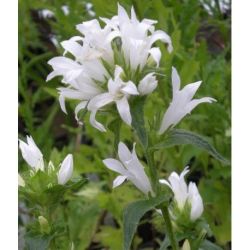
124,153
81,105
73,47
95,123
148,84
124,110
115,165
100,100
176,82
196,102
119,180
195,201
130,89
156,55
163,36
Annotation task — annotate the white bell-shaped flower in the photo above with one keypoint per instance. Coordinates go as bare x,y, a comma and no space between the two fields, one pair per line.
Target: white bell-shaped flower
66,170
185,194
118,92
182,102
130,168
31,154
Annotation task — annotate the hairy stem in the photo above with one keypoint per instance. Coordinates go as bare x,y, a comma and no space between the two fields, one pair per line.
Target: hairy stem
163,207
166,216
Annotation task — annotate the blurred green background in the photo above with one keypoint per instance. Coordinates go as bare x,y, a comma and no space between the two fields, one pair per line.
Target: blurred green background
201,33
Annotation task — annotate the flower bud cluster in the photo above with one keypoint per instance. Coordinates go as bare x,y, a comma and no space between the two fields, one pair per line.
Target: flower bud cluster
34,158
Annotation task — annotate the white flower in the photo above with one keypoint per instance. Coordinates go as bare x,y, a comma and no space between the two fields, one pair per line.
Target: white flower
136,41
118,92
97,38
31,154
182,102
129,167
148,84
184,193
66,170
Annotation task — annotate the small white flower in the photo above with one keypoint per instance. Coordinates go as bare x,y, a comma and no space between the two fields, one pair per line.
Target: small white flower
182,102
31,154
184,193
136,42
66,170
130,168
118,92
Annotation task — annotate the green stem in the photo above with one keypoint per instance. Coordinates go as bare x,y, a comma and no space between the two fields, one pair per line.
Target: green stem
164,208
152,170
166,216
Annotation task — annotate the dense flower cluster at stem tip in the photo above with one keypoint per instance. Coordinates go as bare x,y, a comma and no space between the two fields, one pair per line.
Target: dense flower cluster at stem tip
112,64
34,158
107,61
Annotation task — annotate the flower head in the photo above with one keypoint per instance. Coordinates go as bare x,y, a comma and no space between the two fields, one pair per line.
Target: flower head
182,102
130,168
31,154
184,194
93,73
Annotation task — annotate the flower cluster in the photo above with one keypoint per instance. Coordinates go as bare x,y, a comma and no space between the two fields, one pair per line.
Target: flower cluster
108,64
34,158
185,195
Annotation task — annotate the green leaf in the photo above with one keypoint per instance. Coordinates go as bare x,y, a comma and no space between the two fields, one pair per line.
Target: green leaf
82,221
138,120
132,215
208,245
183,137
37,241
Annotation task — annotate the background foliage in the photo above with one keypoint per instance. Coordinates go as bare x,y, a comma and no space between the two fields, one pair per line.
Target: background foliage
202,50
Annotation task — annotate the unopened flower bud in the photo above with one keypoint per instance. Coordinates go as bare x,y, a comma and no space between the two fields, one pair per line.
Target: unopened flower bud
66,170
44,225
186,245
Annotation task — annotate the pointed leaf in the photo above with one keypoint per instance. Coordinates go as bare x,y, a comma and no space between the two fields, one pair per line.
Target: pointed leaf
132,215
183,137
208,245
